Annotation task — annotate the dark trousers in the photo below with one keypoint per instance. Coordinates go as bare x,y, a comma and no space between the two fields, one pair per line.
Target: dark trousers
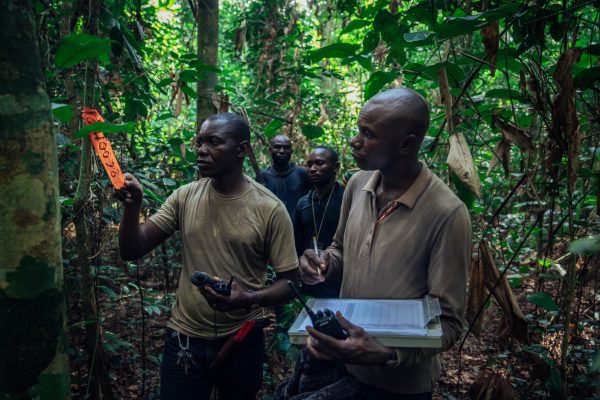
240,378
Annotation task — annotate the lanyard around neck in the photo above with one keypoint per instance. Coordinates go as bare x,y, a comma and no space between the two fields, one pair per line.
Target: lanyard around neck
312,203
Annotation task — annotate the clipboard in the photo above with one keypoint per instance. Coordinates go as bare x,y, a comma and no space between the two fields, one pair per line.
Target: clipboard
395,323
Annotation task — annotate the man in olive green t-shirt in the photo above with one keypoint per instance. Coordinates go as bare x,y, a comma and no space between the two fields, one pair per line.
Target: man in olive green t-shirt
230,227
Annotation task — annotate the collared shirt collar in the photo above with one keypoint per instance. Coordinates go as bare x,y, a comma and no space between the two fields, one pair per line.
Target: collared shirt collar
410,197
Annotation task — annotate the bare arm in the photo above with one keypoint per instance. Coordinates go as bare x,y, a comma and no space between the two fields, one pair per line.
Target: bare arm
277,293
136,239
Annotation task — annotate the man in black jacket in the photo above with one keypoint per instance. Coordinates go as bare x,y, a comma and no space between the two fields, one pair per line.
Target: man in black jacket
285,179
318,213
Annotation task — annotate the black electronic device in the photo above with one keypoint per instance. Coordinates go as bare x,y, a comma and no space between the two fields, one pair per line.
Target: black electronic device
323,320
203,279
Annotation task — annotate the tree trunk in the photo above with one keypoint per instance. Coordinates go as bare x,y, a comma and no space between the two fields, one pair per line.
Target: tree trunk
32,307
207,19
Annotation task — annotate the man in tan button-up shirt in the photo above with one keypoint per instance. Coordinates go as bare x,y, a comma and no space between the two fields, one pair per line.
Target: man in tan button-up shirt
402,234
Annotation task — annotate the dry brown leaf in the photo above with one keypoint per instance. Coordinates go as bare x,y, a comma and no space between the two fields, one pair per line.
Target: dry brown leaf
476,295
482,387
489,385
564,130
240,37
323,116
461,163
491,40
501,155
182,149
503,294
178,102
394,6
220,101
446,98
514,133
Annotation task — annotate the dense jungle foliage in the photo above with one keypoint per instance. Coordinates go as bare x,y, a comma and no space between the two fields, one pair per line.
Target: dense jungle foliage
515,132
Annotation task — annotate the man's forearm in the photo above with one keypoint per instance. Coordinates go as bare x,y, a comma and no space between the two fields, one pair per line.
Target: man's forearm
278,292
131,238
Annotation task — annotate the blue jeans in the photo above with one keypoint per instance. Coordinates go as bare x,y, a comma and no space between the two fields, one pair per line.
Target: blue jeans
240,379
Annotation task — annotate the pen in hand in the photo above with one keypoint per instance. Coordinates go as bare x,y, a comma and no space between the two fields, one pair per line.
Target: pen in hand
316,248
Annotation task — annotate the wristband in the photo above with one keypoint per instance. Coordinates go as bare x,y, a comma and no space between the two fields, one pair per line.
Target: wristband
255,303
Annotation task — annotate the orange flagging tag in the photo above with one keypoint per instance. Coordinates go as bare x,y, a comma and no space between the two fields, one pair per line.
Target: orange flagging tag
103,148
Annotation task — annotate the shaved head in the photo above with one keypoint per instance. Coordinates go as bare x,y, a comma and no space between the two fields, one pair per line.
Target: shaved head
280,139
402,108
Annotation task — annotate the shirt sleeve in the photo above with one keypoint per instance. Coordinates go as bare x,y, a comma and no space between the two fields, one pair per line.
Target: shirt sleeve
447,280
167,218
280,239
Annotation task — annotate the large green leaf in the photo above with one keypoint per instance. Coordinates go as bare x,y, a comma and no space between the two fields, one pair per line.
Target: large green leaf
105,127
80,47
312,131
586,78
336,50
156,198
418,37
370,41
273,127
543,300
62,112
454,72
461,25
354,25
376,81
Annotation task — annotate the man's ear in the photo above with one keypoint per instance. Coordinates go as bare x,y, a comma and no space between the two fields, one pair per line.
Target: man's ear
336,167
409,144
243,149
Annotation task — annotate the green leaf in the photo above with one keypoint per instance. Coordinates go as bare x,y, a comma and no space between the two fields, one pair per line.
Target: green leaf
454,72
62,112
188,90
165,82
376,81
587,245
370,42
201,67
169,182
587,78
80,47
422,36
273,127
312,131
105,127
153,196
463,192
354,25
336,50
188,76
543,300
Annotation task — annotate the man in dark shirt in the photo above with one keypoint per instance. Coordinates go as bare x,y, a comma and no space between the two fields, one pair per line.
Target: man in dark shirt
286,180
318,213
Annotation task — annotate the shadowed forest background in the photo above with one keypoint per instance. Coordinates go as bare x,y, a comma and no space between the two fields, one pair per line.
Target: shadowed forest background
515,107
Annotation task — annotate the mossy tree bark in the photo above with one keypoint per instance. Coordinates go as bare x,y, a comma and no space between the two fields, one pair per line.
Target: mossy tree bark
32,307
